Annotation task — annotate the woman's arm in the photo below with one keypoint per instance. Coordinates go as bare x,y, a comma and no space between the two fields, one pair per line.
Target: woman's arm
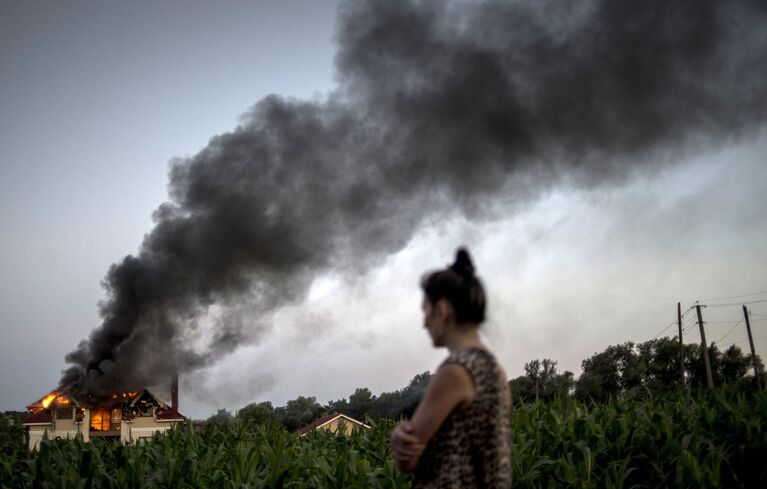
405,447
451,387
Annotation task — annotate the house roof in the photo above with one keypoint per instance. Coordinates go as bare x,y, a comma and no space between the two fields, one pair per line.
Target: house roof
327,419
41,404
141,394
40,417
170,414
167,414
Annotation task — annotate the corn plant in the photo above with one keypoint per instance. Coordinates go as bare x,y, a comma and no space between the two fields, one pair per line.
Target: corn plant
710,439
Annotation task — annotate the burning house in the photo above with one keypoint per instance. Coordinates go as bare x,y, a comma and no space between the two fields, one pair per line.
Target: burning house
125,416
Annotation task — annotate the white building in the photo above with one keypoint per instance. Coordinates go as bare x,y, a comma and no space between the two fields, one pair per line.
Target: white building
127,416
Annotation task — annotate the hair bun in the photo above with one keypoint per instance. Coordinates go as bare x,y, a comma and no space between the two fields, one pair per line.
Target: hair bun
463,265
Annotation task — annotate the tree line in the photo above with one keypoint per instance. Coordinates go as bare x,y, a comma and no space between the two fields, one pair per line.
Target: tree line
631,369
13,436
360,405
625,370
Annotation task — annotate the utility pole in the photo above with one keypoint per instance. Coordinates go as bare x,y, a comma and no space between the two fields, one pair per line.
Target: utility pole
753,352
704,347
681,345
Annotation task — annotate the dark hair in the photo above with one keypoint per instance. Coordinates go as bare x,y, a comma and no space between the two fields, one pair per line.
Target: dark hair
458,285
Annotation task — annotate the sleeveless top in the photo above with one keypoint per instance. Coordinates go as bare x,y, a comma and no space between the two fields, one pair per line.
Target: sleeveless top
472,447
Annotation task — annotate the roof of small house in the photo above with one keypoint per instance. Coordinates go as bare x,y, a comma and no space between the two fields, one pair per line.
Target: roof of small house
40,414
326,420
170,414
40,417
39,404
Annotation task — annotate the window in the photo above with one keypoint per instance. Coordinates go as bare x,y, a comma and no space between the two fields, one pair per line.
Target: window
116,419
100,419
63,412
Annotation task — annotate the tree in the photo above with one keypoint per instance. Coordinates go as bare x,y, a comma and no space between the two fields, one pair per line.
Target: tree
339,406
653,366
751,379
734,365
257,413
13,436
660,358
298,412
222,417
390,405
612,372
361,403
413,393
600,378
541,382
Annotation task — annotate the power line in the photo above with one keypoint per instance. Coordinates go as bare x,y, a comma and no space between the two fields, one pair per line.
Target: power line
755,339
673,322
664,329
735,303
690,322
735,296
730,331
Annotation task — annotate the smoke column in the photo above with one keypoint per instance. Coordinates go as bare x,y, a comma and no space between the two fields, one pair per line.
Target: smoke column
440,107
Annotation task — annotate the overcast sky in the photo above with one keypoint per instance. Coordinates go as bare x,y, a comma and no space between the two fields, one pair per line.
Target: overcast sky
96,100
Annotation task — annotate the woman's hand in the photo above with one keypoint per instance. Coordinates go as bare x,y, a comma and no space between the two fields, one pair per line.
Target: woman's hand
405,447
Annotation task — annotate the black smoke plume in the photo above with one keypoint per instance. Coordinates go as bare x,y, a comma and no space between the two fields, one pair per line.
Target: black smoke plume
440,107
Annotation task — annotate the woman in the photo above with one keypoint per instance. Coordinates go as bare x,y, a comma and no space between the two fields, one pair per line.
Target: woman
459,435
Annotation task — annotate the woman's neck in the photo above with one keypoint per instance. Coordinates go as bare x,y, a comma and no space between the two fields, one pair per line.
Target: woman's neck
462,337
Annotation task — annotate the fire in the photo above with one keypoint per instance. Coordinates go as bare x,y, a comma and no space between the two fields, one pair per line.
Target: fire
47,400
124,395
59,400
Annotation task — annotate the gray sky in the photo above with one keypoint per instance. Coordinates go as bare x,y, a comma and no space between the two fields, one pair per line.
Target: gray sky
96,99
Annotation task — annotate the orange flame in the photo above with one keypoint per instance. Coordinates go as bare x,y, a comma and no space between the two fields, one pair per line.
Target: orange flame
47,400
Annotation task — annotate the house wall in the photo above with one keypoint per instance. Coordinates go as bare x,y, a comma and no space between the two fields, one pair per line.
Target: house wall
143,427
143,422
346,425
87,425
65,424
66,428
36,434
58,430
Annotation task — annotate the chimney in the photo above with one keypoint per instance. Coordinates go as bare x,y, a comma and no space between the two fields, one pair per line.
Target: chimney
174,391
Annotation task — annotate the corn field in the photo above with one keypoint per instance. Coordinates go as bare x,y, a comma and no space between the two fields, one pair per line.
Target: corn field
709,440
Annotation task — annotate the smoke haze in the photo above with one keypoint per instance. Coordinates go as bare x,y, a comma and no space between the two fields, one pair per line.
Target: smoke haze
440,106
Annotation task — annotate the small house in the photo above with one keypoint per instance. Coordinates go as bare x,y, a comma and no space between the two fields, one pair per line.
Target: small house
335,423
124,416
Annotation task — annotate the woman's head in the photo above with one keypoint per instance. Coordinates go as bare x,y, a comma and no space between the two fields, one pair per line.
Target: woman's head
459,287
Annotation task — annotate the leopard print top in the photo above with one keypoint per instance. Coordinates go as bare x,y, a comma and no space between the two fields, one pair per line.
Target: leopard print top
472,447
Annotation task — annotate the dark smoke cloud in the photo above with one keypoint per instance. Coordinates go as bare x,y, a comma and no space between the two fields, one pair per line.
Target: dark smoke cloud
441,106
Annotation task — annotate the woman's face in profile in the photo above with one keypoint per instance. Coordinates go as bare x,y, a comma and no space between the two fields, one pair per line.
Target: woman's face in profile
431,321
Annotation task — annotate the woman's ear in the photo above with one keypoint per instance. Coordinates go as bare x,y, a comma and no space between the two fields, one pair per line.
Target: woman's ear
444,310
